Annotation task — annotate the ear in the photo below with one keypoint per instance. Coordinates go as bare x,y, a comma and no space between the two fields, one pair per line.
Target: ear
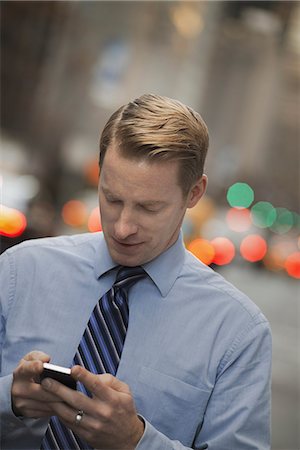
197,191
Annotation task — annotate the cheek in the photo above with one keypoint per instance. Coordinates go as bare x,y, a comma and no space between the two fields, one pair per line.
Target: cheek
107,213
164,227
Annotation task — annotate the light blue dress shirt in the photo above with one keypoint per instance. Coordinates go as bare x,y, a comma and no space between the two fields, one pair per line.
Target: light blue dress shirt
197,354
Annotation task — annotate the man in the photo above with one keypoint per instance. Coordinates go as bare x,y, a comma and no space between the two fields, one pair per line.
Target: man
194,370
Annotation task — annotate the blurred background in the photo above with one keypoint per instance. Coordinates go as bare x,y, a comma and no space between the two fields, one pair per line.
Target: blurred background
66,66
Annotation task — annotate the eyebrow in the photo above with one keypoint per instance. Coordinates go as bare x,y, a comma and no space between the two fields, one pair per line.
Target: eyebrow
147,203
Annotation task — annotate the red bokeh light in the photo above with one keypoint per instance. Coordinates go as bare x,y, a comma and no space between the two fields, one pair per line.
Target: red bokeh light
292,265
224,251
238,219
253,248
12,222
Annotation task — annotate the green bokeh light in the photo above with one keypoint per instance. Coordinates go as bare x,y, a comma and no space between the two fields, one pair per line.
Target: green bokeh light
263,214
284,221
296,220
240,195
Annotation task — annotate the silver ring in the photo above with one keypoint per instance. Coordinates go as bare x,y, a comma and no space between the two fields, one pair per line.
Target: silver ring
78,417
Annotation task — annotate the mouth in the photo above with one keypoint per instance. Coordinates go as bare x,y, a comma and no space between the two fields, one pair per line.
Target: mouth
126,245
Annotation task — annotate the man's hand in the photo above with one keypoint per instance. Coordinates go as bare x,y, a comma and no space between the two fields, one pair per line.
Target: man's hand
109,418
29,399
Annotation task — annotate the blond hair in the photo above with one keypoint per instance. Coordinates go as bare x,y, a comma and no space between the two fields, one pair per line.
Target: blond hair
157,128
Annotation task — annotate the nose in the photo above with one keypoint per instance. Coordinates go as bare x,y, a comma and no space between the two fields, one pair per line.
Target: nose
125,226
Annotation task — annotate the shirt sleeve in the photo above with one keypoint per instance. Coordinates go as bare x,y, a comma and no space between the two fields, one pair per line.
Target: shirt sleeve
15,432
154,440
238,413
237,416
5,294
7,419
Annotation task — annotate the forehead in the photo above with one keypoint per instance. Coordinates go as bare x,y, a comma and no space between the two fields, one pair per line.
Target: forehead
149,178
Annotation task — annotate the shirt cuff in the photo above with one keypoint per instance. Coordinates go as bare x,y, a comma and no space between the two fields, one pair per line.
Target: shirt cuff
152,439
8,420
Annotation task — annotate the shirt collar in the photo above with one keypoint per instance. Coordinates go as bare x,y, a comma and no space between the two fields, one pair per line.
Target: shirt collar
163,270
103,260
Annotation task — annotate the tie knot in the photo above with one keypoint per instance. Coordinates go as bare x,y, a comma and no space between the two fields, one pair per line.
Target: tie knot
127,276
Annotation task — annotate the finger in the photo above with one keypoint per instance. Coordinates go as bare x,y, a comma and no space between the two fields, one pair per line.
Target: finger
32,391
67,415
37,355
35,409
88,423
115,384
63,393
29,368
93,383
76,400
28,372
35,413
31,365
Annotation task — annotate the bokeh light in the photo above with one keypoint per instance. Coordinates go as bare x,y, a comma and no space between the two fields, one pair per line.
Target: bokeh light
94,222
263,214
224,251
279,248
202,249
273,260
238,219
284,221
292,265
296,218
91,172
253,248
240,195
74,213
12,222
187,20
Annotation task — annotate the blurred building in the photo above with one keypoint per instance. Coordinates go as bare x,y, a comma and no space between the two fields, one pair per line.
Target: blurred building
70,64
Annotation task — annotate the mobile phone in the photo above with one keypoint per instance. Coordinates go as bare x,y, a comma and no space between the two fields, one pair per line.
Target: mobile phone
59,373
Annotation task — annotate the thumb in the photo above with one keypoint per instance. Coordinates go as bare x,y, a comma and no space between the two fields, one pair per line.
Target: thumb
114,383
37,355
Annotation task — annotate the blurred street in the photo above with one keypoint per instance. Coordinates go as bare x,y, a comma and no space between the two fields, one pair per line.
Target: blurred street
66,66
279,298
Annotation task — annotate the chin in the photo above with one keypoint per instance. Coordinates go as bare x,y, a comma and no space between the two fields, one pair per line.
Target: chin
125,260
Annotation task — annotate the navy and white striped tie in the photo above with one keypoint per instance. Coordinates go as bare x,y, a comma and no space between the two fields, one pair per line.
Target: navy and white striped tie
99,350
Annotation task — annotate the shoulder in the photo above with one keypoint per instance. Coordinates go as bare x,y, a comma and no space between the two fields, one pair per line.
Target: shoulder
58,243
228,316
219,294
60,248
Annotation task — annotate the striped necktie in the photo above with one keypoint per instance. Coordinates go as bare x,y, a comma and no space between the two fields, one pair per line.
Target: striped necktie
99,350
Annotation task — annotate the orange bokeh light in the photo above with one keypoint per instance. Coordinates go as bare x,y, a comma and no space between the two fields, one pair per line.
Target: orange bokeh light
12,222
273,260
224,251
253,248
94,222
91,171
292,265
202,249
74,213
238,219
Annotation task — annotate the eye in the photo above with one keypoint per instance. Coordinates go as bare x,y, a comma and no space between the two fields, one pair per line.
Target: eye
149,210
111,199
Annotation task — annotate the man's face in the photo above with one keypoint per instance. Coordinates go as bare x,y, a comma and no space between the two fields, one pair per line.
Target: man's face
141,206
